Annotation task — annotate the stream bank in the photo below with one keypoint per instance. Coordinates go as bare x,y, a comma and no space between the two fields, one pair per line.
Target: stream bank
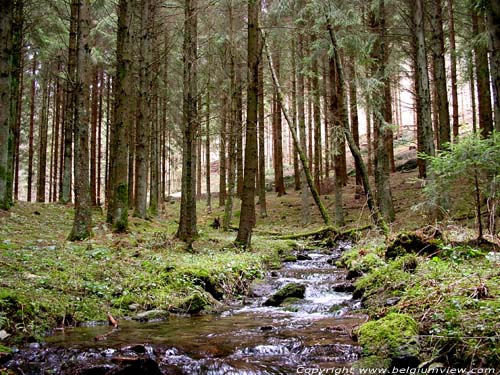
247,338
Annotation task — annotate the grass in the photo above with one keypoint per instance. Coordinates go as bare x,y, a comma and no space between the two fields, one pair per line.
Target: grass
47,281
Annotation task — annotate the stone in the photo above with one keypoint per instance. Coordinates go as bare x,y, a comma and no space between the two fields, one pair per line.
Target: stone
303,257
392,301
151,314
291,290
344,288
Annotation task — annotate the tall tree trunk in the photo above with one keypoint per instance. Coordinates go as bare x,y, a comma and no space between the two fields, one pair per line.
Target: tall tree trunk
222,151
99,137
31,135
247,217
493,27
326,101
437,47
187,231
143,128
6,19
453,66
304,194
207,145
482,78
42,137
279,182
295,157
239,131
261,140
382,171
337,111
83,215
118,204
423,90
15,100
472,88
69,110
316,125
353,104
93,136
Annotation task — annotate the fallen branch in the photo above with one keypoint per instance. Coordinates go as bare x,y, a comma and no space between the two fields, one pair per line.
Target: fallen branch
326,232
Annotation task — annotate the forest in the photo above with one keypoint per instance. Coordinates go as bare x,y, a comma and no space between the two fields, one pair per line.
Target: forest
249,187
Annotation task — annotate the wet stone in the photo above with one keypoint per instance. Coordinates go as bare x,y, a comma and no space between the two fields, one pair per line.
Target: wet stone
291,290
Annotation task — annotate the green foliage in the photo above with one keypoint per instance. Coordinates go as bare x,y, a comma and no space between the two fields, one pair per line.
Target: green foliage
473,158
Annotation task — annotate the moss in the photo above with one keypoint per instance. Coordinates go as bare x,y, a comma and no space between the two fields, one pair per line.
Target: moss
5,349
391,336
291,290
195,303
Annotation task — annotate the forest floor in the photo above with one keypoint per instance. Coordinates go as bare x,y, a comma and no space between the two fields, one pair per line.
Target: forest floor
451,295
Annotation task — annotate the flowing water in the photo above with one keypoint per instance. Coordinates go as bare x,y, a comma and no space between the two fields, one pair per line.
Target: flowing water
314,332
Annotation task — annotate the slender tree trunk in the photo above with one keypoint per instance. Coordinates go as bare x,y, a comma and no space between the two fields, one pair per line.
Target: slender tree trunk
17,134
317,124
15,100
247,217
207,145
31,136
42,137
118,204
453,66
99,137
326,101
6,19
337,110
423,90
83,215
353,103
295,157
93,136
304,194
482,78
279,182
381,120
261,140
69,110
143,129
239,132
472,93
493,28
437,47
187,231
222,152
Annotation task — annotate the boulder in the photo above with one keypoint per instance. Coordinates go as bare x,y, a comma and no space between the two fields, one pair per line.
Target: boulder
292,290
151,315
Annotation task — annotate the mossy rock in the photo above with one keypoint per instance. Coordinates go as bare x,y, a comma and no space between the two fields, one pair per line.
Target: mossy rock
195,303
292,290
156,314
410,243
389,337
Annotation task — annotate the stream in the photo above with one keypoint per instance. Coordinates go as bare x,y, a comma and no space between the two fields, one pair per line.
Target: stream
248,338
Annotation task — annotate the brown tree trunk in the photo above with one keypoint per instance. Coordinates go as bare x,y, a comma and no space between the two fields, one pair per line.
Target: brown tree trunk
187,231
247,217
222,152
83,215
69,110
31,135
304,195
453,66
6,19
482,79
295,157
437,47
42,137
261,140
493,28
316,125
118,196
93,136
279,182
353,104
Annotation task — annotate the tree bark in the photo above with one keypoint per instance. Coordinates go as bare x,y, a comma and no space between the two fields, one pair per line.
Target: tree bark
187,231
83,215
118,173
482,79
6,19
247,217
31,135
453,66
493,28
437,47
42,137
